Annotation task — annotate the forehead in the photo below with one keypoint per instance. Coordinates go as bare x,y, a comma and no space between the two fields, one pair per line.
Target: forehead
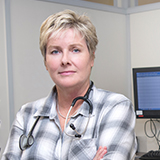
66,33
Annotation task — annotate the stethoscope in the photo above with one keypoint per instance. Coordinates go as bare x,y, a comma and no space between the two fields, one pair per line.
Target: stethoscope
25,141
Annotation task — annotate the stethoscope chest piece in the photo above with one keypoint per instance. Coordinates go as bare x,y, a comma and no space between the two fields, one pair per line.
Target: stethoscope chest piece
25,141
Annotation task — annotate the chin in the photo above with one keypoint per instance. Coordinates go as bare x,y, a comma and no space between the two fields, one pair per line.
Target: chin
68,84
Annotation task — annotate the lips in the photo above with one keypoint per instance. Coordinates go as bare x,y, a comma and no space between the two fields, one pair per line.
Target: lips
66,73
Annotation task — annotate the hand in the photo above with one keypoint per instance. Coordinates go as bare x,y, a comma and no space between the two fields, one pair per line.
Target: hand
100,153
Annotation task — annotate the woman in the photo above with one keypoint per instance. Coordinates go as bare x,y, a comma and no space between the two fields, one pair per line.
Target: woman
102,123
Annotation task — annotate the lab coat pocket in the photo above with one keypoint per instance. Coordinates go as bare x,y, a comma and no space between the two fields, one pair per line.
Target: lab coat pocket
83,149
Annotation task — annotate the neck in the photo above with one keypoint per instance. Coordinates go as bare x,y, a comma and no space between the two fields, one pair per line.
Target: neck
65,96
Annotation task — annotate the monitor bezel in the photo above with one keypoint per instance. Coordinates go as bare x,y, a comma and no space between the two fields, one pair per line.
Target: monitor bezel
143,113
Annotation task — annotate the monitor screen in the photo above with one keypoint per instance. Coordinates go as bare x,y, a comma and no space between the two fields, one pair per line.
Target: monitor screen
146,83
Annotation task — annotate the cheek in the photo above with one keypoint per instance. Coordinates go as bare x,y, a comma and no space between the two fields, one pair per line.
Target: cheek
85,64
51,65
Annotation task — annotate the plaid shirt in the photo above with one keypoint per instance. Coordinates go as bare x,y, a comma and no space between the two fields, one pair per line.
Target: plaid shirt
111,125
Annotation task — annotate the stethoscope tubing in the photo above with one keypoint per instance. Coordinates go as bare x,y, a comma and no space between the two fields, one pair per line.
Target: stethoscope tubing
86,100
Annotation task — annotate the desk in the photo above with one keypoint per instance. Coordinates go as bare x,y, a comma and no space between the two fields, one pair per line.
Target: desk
139,154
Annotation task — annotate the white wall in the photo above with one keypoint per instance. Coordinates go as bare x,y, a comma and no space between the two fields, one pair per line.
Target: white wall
145,52
4,107
30,79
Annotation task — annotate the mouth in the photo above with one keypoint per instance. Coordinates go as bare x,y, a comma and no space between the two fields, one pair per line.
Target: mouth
66,73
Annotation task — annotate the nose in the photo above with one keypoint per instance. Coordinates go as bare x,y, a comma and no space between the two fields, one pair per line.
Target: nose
65,58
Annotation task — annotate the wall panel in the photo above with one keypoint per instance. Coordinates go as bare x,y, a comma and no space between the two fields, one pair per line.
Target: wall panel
4,105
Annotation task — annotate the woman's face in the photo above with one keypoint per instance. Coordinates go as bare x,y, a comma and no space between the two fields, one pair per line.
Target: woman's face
68,60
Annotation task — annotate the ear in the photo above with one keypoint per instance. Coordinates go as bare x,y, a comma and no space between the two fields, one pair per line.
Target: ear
92,59
45,65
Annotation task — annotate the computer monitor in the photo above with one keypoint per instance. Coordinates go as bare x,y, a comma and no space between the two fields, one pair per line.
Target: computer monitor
146,84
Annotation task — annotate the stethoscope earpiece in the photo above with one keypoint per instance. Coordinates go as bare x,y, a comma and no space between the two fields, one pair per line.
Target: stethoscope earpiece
77,135
72,126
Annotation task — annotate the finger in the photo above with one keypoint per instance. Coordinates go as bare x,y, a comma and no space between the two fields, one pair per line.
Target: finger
101,152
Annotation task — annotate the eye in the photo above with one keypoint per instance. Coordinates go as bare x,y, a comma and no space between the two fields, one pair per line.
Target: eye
55,52
76,50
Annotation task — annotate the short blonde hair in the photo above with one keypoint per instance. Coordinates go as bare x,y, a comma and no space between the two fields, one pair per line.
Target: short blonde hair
65,20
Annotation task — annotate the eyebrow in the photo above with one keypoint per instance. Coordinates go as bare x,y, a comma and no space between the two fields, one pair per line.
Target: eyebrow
58,46
52,46
76,44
